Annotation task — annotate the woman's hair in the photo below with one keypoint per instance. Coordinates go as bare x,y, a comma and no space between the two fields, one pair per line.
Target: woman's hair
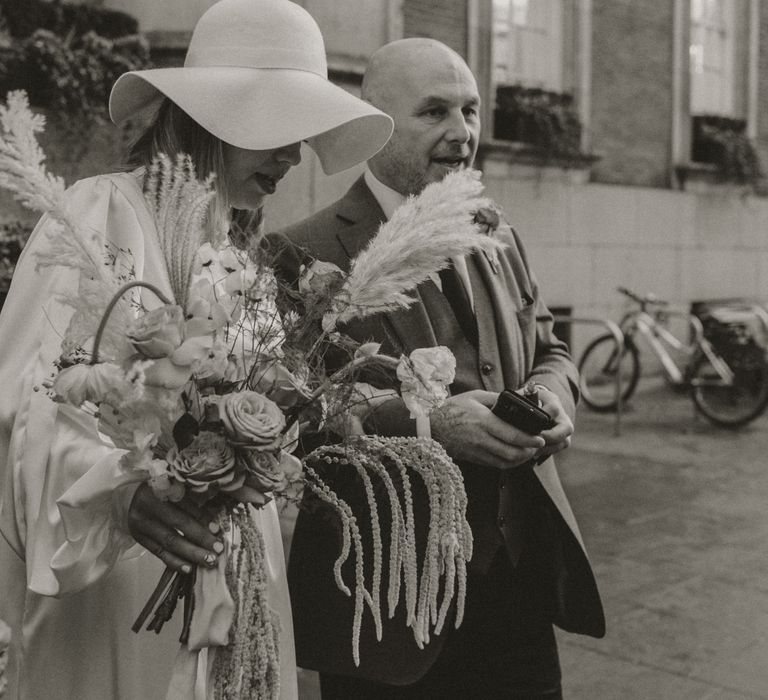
172,132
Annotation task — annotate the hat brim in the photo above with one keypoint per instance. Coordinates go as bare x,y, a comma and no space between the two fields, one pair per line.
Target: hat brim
261,109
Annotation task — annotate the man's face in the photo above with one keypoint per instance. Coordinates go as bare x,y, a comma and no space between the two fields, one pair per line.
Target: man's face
435,108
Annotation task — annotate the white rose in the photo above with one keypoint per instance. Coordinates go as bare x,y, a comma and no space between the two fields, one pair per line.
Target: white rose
425,377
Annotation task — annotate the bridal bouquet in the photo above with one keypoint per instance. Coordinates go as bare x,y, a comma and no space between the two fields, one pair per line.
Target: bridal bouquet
208,393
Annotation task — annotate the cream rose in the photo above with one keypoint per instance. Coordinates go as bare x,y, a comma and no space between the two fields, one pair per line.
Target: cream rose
251,418
424,378
272,379
321,277
158,332
208,462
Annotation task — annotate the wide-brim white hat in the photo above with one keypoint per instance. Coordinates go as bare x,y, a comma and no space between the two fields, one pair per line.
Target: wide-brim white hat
256,77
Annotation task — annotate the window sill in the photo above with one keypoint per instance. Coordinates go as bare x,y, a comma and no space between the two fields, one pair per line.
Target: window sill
522,161
703,178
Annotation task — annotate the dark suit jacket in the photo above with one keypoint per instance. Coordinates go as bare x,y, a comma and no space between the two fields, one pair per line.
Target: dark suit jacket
515,343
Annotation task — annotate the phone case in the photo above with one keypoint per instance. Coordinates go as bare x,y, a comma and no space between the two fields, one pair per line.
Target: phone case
522,412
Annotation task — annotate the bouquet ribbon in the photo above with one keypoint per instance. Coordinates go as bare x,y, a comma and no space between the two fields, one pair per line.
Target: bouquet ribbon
211,622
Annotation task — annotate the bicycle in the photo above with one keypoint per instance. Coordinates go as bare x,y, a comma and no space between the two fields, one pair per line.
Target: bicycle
727,379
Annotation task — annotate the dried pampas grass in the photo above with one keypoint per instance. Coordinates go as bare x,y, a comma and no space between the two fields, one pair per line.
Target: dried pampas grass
417,241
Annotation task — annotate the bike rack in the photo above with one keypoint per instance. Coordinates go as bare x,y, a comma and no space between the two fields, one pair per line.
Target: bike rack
618,338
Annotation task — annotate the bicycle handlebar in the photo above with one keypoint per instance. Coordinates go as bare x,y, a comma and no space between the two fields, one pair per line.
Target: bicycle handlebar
643,301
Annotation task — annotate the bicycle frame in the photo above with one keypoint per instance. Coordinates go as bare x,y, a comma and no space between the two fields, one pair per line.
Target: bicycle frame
655,333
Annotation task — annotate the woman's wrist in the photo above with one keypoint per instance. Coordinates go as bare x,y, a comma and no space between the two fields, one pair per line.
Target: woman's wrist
122,497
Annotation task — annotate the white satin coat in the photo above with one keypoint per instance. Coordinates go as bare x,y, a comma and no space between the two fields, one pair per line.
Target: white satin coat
71,578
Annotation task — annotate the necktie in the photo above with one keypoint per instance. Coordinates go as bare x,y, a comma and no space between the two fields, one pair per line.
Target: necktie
456,294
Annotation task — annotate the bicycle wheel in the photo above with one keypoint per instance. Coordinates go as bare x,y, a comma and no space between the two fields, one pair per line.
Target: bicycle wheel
734,405
597,373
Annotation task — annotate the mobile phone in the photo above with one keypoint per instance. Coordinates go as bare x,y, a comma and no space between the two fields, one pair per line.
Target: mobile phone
521,412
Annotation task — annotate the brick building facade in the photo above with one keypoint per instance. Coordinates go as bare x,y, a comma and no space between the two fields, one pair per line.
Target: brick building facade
634,209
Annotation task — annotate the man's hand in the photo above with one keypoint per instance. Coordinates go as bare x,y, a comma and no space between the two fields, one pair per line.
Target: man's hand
470,432
180,534
558,437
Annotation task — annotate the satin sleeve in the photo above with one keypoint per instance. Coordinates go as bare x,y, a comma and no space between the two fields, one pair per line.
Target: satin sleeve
64,497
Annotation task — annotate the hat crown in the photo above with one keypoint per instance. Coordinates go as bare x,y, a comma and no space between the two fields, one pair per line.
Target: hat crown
258,34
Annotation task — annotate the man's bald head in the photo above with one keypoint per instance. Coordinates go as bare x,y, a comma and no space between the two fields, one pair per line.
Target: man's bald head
431,95
393,62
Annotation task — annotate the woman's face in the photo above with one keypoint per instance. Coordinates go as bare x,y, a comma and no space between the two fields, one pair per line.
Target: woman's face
252,175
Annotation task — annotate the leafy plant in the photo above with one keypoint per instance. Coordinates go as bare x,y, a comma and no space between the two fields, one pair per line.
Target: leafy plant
723,142
22,18
71,75
13,238
545,119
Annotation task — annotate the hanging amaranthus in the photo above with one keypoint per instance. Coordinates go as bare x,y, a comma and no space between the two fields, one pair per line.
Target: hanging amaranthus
249,666
449,539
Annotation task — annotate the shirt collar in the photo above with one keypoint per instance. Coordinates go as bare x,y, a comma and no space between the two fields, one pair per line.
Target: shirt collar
388,199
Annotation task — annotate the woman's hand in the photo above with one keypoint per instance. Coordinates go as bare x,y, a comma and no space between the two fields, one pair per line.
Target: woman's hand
181,534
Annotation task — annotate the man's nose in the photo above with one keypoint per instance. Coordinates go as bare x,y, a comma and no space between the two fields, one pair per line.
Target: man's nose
290,154
458,131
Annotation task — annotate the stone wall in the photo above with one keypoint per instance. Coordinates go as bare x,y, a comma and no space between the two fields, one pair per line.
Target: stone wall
444,20
631,116
586,240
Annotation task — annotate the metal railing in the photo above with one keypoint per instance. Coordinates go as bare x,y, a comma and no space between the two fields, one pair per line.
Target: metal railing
618,338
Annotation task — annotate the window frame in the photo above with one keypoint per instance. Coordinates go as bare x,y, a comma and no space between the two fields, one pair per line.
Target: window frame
681,164
576,59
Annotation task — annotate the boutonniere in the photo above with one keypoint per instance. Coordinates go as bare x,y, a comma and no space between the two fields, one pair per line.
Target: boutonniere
487,220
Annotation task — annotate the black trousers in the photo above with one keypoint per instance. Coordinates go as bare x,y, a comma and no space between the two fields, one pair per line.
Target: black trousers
504,650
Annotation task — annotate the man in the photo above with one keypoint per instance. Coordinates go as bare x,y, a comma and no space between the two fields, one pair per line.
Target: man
529,569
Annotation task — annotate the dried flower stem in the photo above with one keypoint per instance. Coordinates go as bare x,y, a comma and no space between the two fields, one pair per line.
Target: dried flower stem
111,305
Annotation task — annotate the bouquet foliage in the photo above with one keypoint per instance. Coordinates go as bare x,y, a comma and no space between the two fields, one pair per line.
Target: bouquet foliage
208,393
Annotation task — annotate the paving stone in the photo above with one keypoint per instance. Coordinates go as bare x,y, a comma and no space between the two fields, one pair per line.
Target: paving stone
680,550
675,516
590,675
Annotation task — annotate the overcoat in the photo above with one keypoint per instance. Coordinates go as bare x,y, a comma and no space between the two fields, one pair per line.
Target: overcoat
514,343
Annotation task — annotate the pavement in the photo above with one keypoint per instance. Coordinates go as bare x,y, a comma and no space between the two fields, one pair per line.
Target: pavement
675,516
674,513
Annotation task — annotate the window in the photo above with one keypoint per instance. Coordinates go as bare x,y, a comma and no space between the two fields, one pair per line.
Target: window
528,43
713,57
717,44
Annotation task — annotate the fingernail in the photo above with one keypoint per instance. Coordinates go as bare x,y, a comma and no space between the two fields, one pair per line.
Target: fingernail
186,569
218,547
213,526
210,559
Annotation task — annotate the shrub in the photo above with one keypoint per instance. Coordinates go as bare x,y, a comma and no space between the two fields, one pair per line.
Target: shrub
72,75
545,119
723,142
13,238
24,17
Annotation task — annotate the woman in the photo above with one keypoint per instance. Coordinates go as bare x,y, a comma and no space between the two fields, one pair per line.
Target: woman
253,87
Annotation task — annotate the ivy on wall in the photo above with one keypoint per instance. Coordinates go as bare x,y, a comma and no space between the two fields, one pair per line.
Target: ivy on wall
723,142
67,57
544,119
13,237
